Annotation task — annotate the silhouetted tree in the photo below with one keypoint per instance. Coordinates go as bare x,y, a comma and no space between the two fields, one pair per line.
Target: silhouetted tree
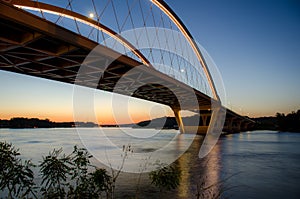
289,122
16,176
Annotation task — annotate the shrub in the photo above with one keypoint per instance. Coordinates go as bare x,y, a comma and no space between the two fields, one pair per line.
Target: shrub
16,177
55,169
167,177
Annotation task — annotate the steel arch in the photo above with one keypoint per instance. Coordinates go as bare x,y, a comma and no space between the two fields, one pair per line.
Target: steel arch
34,5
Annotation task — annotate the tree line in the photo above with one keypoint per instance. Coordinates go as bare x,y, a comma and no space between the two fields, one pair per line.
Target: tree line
289,122
281,122
21,122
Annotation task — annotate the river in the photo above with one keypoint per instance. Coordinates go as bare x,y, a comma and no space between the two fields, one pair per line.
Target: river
258,164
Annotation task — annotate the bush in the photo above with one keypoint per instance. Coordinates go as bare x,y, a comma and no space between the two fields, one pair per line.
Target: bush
166,178
16,177
55,169
87,185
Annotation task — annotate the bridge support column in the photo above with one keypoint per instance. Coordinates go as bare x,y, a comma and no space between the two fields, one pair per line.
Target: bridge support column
239,123
204,120
179,120
245,126
230,125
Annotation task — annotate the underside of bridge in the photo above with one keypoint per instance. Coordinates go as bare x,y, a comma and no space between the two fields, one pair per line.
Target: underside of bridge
32,46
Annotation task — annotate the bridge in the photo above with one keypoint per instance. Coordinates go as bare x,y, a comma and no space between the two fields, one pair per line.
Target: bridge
37,47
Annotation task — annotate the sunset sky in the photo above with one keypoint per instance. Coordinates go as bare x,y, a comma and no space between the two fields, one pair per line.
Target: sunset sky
254,43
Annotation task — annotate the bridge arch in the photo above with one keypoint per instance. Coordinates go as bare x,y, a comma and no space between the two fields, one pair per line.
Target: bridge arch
172,15
43,7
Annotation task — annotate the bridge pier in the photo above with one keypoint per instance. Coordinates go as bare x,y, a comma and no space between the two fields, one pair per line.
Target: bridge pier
187,128
233,125
245,126
238,126
179,120
205,120
230,125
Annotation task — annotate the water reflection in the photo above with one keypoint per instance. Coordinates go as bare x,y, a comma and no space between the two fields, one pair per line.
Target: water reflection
213,171
184,165
199,177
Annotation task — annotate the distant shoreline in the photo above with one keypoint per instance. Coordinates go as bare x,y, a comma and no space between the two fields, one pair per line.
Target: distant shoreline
280,122
31,123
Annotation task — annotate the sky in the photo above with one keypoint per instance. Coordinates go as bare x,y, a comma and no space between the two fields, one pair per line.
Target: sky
255,45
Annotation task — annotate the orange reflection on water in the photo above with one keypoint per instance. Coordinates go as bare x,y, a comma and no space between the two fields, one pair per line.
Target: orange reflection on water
199,177
184,186
184,165
213,170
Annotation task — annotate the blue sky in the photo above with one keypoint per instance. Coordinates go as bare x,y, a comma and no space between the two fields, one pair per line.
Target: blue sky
255,44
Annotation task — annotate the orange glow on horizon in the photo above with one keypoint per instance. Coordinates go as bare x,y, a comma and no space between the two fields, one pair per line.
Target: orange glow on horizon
110,120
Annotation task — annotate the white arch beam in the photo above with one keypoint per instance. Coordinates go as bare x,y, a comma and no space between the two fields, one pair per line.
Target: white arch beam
39,6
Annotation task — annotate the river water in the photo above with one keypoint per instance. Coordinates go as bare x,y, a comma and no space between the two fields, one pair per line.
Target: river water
258,164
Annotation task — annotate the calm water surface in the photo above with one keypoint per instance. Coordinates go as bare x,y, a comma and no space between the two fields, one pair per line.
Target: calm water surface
259,164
